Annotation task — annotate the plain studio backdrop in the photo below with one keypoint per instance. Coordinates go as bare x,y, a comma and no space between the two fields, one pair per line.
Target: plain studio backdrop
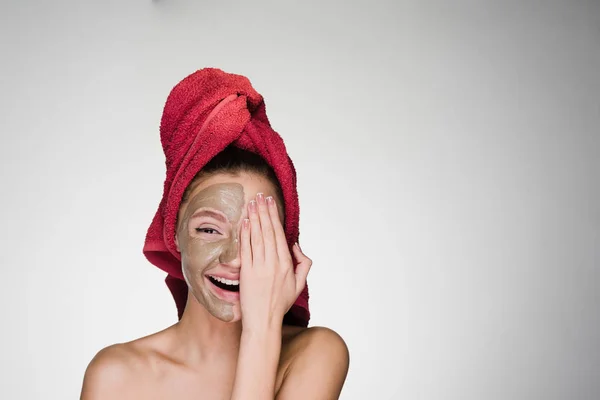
448,158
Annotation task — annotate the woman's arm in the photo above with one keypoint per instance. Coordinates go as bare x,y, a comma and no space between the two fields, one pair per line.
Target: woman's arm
268,288
257,364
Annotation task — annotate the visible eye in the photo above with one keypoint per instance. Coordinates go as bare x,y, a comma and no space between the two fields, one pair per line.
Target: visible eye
210,231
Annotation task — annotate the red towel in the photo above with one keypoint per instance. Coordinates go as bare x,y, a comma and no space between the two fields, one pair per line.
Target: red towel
204,113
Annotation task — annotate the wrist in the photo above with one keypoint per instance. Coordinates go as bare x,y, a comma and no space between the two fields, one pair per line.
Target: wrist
267,330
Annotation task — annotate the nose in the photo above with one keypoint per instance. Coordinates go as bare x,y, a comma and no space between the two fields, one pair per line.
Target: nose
231,254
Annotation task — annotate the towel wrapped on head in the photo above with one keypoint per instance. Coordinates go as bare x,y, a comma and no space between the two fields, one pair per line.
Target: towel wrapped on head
206,112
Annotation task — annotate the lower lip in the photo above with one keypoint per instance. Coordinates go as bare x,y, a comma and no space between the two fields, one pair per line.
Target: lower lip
222,294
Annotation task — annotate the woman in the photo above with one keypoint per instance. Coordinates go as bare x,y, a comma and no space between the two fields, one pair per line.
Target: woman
226,234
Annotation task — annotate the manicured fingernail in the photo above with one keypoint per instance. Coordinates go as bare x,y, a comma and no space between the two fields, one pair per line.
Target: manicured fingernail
260,197
298,246
252,206
270,201
246,223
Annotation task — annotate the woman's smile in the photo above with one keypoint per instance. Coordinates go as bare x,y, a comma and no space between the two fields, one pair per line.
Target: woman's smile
223,291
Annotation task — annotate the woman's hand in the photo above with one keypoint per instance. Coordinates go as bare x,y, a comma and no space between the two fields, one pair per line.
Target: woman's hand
268,284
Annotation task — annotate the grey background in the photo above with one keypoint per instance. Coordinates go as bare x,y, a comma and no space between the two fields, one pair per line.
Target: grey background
449,177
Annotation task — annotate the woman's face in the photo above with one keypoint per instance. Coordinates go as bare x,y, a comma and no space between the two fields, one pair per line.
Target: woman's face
208,234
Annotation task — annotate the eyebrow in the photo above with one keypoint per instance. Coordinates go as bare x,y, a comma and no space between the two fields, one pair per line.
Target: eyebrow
211,213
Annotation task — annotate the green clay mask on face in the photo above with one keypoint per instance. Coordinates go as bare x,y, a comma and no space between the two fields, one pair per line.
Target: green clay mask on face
208,234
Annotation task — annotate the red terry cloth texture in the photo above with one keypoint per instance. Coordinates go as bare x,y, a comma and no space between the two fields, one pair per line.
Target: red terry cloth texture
204,113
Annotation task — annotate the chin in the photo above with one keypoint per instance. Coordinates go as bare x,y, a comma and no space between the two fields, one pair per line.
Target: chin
237,313
228,318
229,313
225,310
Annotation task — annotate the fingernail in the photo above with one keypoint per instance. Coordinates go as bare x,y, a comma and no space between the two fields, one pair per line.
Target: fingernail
297,245
260,197
252,206
270,200
246,223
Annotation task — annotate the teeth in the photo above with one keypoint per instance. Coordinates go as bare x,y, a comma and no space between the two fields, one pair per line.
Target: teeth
225,281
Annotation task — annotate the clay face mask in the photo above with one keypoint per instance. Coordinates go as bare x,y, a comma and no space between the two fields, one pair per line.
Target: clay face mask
208,234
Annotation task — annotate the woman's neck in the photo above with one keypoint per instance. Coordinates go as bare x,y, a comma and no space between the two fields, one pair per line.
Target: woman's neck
202,337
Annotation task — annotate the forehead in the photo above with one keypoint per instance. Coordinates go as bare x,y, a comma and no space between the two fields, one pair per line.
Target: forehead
227,191
227,198
249,183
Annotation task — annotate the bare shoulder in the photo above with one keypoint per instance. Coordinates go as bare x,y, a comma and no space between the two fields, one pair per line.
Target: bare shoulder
119,371
109,371
317,361
318,338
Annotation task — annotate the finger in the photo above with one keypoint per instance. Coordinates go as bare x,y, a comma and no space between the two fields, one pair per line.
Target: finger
246,249
299,255
256,241
266,226
302,269
283,250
